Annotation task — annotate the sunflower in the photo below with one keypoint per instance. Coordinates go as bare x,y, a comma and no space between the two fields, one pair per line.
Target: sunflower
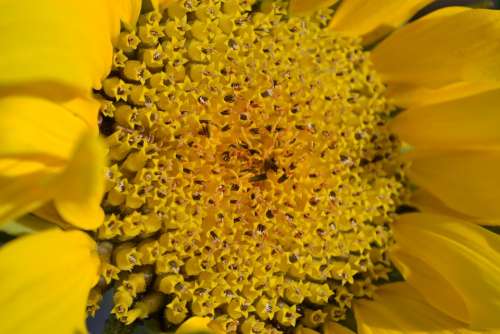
250,166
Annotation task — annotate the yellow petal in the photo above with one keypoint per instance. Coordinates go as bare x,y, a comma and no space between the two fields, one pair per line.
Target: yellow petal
82,105
436,288
34,148
304,7
87,108
35,128
81,185
448,47
48,152
45,280
465,181
465,255
129,12
23,192
194,325
375,18
336,328
417,96
428,203
467,124
67,42
397,308
16,167
49,213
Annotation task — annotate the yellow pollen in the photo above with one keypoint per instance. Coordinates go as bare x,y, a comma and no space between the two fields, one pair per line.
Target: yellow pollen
252,179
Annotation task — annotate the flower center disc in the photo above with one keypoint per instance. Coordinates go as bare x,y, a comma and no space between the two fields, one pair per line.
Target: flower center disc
252,179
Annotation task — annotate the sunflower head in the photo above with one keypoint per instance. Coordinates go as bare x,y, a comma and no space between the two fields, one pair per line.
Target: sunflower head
244,166
252,178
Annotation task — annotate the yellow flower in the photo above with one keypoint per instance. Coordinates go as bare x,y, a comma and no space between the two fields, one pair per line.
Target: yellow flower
255,176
